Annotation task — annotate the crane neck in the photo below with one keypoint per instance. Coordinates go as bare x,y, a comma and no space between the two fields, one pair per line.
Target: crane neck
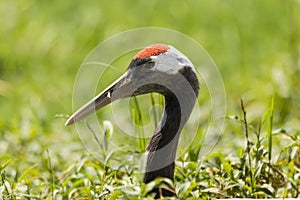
163,144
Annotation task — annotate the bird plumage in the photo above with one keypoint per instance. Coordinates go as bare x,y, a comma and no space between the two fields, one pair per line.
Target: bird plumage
163,69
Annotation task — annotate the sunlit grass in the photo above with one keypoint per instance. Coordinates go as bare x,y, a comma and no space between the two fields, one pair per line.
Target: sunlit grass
255,44
248,171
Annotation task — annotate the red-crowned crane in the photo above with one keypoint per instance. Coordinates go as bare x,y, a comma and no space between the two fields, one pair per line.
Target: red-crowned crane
163,69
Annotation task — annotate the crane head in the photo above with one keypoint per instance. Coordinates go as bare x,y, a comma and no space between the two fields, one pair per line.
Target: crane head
154,69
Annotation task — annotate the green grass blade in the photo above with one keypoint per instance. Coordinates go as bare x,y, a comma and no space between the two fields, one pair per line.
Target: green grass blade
154,109
269,129
139,118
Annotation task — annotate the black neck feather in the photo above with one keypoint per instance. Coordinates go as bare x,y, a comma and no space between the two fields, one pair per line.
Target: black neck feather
163,144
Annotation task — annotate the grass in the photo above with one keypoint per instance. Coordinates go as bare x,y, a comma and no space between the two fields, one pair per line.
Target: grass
255,45
249,171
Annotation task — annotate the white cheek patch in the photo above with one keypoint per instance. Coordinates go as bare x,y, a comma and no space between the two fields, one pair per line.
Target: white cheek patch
163,64
171,61
165,68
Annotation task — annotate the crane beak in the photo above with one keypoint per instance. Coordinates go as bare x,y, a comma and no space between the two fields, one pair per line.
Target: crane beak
121,88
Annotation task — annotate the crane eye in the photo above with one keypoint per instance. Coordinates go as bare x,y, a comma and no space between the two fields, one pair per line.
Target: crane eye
138,62
146,67
142,61
149,65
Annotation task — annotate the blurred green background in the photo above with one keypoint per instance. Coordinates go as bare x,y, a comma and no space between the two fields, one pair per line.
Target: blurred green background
255,44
